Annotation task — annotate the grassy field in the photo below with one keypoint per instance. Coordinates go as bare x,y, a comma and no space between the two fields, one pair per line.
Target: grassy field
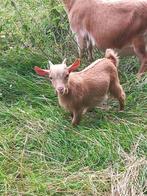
40,152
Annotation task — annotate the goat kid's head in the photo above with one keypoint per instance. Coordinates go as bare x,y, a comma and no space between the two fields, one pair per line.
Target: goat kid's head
58,75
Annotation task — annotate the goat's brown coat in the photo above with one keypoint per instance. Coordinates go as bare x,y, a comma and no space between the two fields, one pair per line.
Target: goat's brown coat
109,25
88,88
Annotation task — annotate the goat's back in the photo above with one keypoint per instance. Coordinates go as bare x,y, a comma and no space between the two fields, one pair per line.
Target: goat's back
108,25
90,86
92,83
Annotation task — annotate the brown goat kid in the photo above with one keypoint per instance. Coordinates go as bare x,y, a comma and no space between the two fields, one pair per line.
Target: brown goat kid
109,24
84,90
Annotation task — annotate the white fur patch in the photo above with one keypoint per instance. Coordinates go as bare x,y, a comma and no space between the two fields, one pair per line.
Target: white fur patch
82,34
91,38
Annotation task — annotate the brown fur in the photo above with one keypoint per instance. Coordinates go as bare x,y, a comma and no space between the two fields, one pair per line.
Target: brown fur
88,88
80,91
109,25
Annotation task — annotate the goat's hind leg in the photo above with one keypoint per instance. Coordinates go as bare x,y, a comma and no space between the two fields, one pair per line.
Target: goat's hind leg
90,49
117,91
84,44
81,45
140,50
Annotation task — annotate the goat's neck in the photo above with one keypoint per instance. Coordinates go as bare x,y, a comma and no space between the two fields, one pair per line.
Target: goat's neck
65,95
68,4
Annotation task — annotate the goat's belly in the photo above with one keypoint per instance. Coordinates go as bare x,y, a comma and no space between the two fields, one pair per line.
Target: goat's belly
104,42
97,96
125,51
128,49
95,102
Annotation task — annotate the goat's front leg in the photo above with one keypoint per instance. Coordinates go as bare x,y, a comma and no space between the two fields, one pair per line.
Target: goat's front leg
76,117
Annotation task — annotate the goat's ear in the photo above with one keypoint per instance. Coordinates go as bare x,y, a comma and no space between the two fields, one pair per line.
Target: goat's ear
74,66
41,72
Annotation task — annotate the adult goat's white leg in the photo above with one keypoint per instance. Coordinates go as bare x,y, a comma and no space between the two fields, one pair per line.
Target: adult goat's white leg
81,45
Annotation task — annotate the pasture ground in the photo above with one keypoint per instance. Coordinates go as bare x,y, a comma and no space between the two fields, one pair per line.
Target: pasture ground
40,152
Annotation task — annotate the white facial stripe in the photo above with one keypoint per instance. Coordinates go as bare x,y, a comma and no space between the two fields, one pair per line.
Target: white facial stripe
58,69
58,74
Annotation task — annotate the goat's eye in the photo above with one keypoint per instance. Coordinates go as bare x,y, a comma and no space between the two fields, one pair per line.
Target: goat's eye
50,78
66,76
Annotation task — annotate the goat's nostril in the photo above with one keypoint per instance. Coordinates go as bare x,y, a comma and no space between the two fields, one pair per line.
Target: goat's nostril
61,89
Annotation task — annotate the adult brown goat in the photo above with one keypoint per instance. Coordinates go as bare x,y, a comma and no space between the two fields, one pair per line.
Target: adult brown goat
109,24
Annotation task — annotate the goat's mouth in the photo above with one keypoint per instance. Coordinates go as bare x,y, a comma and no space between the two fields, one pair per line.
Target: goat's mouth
66,91
63,92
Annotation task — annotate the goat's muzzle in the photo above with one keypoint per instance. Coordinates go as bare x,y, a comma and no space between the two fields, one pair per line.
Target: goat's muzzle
62,90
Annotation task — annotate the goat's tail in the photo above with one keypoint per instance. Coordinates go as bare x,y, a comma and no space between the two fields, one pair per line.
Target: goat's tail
110,54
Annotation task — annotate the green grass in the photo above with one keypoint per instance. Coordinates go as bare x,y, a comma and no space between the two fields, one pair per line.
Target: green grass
40,152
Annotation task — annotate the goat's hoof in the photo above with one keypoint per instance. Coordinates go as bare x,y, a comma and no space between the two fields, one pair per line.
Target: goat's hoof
74,124
139,75
121,110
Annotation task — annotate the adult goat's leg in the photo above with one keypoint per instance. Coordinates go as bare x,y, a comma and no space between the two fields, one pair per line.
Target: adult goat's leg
81,45
90,48
140,50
